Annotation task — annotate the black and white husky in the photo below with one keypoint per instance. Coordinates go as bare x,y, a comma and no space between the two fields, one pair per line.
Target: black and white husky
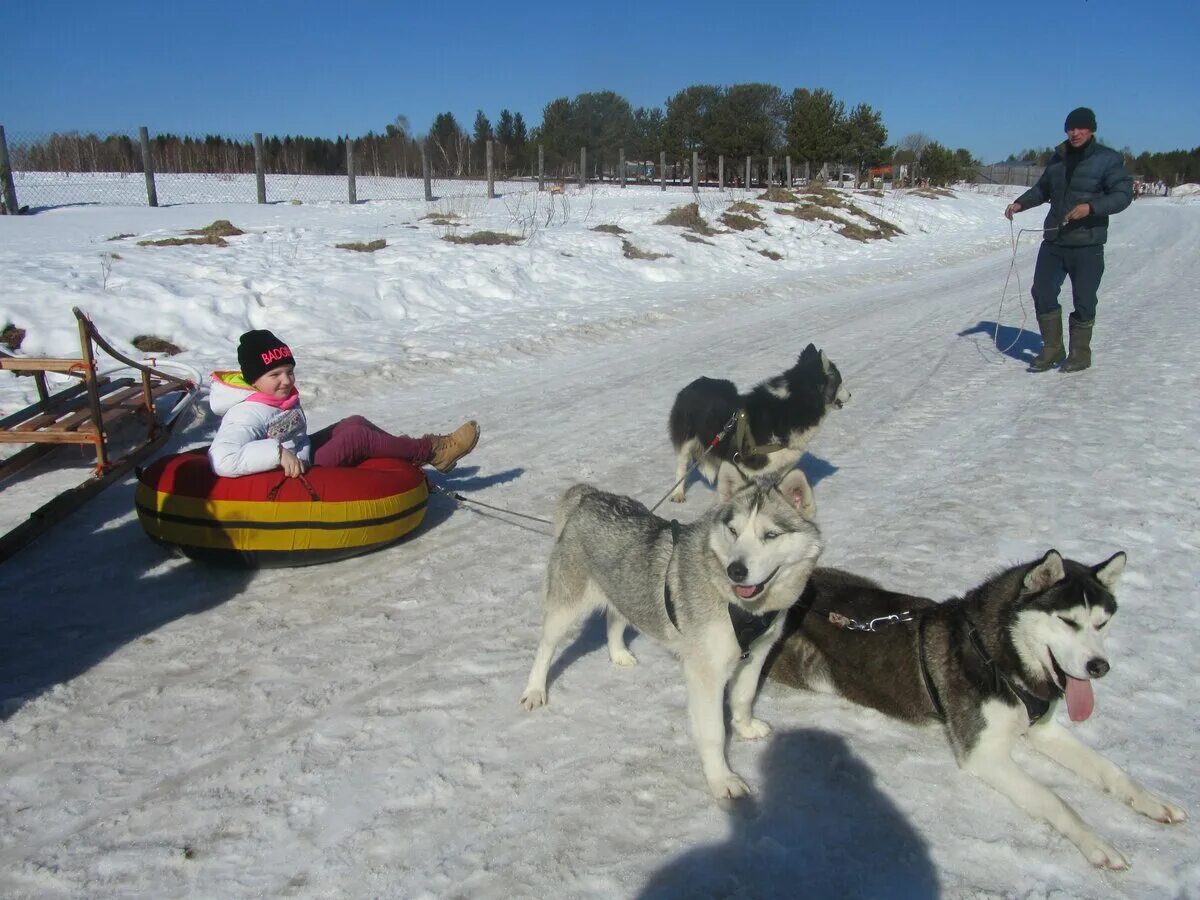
991,666
782,413
710,591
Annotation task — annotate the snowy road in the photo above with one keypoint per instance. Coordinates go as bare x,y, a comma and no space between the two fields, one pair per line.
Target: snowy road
353,729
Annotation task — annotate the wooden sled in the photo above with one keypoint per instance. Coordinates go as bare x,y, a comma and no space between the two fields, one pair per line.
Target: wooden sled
88,413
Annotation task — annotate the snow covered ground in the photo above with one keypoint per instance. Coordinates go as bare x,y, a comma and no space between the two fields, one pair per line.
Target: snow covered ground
353,729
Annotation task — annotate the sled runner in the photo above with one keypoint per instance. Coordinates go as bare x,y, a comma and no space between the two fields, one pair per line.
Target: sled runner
143,396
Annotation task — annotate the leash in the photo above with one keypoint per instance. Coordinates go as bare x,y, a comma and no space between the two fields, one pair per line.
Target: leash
459,498
712,445
1015,237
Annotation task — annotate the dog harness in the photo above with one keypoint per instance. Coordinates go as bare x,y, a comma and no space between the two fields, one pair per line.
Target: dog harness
743,439
1035,707
750,627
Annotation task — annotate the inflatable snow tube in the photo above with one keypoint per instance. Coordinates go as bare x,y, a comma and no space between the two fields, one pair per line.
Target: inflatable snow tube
268,520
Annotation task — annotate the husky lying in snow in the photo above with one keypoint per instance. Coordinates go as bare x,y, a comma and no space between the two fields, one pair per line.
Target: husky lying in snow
709,590
991,666
784,412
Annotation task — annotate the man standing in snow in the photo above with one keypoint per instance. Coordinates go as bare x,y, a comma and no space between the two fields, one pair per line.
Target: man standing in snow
1085,183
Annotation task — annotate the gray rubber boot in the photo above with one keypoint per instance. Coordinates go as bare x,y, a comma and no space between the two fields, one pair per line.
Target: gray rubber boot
1080,356
1050,324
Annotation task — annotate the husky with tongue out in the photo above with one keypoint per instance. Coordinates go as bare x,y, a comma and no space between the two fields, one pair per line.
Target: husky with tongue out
712,590
990,666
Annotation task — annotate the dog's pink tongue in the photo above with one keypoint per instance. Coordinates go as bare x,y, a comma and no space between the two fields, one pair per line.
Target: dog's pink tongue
1080,699
745,591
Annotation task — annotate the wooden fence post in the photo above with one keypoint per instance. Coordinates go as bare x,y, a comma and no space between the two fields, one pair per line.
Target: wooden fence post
582,166
426,172
621,163
695,171
9,186
721,172
491,173
770,172
351,186
747,173
541,168
662,170
260,167
148,166
788,161
807,175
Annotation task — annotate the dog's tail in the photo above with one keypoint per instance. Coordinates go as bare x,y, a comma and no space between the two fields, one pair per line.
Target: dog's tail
568,503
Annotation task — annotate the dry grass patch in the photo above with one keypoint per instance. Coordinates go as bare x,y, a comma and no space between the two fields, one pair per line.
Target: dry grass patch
211,239
220,228
779,195
486,238
611,229
632,252
771,254
119,237
858,233
812,213
825,197
745,206
875,192
687,217
12,336
933,193
696,239
361,247
886,229
740,223
148,343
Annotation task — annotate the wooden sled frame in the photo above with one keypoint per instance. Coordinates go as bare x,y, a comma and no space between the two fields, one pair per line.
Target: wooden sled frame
84,413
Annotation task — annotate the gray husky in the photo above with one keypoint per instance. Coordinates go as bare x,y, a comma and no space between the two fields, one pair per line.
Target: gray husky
709,590
990,666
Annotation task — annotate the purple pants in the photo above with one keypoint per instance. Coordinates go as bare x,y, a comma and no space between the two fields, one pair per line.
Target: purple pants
353,439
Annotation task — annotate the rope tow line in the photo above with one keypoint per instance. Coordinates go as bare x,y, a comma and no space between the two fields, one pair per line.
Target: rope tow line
1015,237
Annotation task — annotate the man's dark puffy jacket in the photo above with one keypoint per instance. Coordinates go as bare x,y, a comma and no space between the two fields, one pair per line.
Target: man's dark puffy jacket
1099,179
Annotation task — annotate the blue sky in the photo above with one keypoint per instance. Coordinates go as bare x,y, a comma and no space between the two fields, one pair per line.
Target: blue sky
988,77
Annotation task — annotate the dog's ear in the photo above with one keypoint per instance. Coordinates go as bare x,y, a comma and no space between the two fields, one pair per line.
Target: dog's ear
1046,573
1110,570
826,365
808,353
795,489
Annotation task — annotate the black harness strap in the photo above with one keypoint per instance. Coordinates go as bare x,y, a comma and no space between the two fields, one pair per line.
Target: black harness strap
748,627
930,689
1035,706
667,601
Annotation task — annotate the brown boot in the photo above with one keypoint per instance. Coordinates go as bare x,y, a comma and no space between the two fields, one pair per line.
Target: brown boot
448,449
1080,356
1052,353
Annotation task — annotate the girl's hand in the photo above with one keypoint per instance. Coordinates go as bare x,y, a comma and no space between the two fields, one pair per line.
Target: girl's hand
292,467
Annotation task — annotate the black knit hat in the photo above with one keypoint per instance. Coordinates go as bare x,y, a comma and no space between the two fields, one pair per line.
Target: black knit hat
1080,118
259,352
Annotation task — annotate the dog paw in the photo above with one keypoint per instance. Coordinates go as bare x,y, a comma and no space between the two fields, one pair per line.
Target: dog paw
677,497
1159,810
730,787
622,657
809,511
752,730
1103,855
533,698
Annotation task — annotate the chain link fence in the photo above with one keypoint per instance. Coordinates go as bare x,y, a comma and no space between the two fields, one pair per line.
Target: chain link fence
1025,174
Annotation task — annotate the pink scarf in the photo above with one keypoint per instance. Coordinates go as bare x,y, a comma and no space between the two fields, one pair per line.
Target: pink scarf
288,402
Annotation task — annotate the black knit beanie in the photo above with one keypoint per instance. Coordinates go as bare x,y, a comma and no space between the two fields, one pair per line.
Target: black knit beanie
259,352
1080,118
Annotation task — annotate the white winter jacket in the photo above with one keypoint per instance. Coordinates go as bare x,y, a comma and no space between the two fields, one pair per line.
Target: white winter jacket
252,433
